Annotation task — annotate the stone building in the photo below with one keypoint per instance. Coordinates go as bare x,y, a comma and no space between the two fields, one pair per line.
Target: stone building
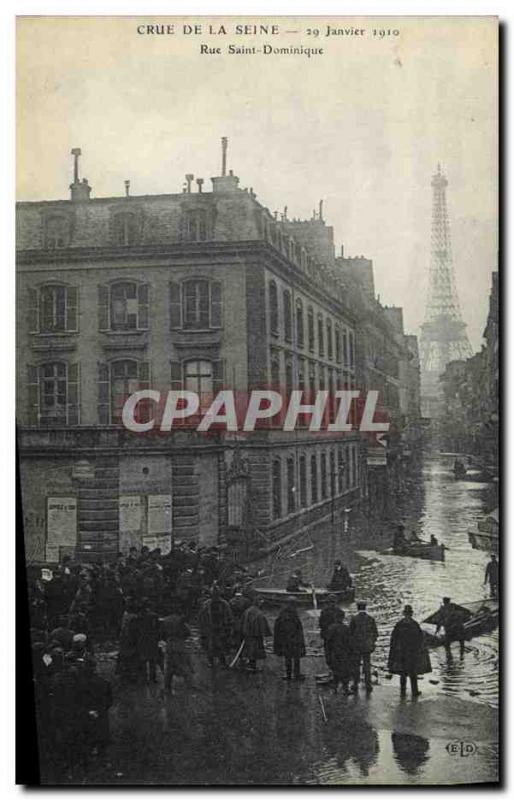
387,361
200,290
470,390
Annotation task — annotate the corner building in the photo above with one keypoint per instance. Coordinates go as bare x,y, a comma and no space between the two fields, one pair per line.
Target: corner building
200,290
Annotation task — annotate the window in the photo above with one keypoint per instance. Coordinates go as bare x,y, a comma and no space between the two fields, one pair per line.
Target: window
333,475
53,309
196,305
323,471
321,378
126,228
116,382
289,377
321,345
330,351
196,225
355,466
288,318
314,479
301,374
303,482
57,232
337,334
198,377
340,470
123,306
276,486
312,380
291,488
275,371
53,394
299,324
331,396
273,307
203,376
351,349
310,328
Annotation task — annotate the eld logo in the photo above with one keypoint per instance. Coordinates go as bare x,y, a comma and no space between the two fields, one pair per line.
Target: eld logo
462,749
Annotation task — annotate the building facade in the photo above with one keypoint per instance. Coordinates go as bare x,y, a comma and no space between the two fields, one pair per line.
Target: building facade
197,290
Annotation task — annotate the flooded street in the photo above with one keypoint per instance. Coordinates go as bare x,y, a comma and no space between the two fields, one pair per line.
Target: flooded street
233,728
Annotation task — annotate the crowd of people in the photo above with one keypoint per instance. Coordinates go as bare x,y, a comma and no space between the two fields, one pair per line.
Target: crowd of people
145,603
142,602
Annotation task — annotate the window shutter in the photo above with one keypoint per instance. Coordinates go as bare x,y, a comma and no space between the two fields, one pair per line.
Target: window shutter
217,375
143,374
176,376
33,395
73,394
142,297
103,394
33,311
216,305
175,306
103,308
71,308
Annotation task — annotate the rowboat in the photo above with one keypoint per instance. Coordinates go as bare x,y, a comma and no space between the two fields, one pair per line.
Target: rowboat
487,535
305,598
432,552
476,618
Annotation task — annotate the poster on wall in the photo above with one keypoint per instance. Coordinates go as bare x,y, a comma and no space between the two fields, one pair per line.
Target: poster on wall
61,526
159,522
130,519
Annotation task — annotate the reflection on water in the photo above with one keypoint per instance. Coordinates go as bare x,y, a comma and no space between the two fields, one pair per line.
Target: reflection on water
410,752
436,504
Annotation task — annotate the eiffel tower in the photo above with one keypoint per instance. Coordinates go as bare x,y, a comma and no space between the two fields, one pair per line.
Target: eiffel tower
443,333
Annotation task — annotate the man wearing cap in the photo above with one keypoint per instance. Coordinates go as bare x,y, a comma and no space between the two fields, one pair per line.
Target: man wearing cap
364,634
408,655
491,576
451,619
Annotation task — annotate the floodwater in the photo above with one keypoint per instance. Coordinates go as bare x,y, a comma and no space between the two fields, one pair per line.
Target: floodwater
447,508
233,728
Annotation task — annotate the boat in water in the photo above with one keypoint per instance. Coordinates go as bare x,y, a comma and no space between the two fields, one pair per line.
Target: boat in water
305,597
487,535
475,619
432,552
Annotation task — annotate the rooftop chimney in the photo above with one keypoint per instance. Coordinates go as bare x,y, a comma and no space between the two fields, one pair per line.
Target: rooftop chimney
224,145
224,182
199,183
80,190
189,181
321,210
127,188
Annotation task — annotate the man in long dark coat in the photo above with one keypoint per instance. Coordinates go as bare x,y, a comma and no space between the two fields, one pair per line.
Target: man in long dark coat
330,613
215,620
254,628
175,633
364,633
341,578
288,640
408,655
339,654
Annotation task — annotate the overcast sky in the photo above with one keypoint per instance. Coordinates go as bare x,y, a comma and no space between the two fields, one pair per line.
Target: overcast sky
362,126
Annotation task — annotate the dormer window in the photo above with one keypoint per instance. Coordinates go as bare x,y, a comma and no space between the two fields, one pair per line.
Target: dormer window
126,228
196,225
57,232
